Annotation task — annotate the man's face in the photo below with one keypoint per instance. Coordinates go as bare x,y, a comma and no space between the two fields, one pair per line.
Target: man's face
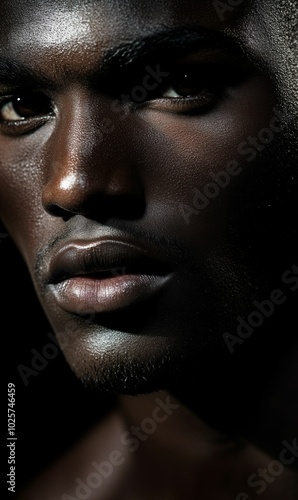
138,177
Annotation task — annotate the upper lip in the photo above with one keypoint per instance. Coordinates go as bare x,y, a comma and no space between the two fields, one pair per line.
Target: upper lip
104,255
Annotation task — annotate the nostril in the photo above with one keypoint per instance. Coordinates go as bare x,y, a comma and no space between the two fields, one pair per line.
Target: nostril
100,207
100,193
58,211
63,201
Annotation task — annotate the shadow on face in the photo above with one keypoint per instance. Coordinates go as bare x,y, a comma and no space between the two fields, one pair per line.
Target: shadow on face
148,169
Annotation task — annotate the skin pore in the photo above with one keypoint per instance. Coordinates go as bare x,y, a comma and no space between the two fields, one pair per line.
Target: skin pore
110,152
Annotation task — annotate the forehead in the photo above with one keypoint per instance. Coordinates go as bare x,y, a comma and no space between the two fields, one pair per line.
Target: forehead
39,24
78,33
144,12
53,23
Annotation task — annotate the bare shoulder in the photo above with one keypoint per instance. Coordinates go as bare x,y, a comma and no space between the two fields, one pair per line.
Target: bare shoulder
90,469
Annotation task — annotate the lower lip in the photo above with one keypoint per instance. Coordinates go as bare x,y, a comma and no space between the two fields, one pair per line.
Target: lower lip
90,295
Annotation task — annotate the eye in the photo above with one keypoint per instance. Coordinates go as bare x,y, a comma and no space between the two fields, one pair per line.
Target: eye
194,88
24,110
186,83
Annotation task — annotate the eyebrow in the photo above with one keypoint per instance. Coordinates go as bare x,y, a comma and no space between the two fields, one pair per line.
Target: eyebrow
162,44
13,73
157,45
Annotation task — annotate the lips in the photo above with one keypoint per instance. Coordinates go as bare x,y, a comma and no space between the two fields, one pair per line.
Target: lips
105,275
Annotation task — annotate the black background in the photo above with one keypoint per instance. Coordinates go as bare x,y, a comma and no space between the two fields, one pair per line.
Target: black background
53,410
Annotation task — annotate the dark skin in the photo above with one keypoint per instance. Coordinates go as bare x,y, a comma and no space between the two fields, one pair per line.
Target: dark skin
101,185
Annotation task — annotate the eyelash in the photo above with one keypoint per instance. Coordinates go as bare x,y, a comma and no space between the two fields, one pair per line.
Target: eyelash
207,85
208,96
185,105
30,124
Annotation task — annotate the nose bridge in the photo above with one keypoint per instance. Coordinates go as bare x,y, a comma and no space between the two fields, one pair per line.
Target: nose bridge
82,162
77,139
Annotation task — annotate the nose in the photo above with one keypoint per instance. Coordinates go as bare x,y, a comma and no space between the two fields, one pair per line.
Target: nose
90,165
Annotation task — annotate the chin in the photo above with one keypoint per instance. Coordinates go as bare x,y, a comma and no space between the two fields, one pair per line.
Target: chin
125,376
124,364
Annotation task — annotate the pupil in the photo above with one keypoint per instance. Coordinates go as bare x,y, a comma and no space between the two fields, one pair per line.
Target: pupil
23,107
187,85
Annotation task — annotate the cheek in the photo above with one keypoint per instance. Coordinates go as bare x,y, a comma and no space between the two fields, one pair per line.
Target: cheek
20,190
194,166
187,149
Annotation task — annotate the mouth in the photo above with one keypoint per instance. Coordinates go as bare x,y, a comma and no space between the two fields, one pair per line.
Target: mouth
105,275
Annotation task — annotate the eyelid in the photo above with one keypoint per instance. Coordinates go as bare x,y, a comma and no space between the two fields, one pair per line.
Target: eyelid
216,77
23,127
15,93
211,64
29,124
183,105
214,56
